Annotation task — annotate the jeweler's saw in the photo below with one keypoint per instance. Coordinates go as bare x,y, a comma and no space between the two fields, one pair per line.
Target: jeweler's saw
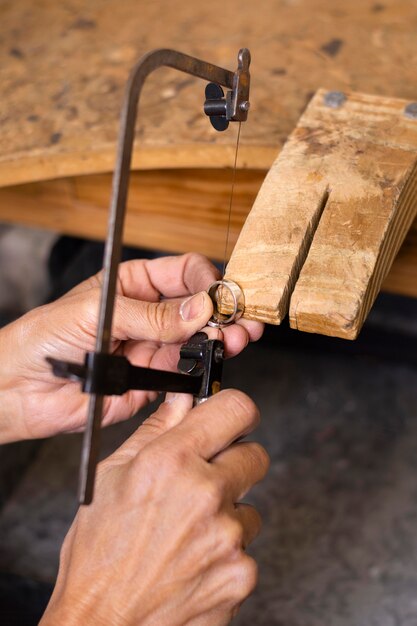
201,359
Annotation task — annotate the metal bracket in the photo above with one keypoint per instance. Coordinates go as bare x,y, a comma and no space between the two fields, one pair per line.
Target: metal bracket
201,362
235,106
202,357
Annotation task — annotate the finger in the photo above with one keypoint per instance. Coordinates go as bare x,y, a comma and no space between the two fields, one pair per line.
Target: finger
144,279
254,329
166,321
250,520
213,425
120,408
151,354
166,356
237,336
170,276
241,466
168,415
171,397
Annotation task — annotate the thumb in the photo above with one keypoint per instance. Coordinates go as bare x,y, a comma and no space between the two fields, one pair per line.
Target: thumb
167,321
169,414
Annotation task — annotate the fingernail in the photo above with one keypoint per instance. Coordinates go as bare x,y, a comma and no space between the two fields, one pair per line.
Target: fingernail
171,398
180,399
192,307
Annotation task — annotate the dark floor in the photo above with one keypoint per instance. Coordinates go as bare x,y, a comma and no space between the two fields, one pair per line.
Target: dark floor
339,543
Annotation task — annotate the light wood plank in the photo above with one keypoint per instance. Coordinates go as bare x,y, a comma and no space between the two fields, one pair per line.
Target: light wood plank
169,210
330,217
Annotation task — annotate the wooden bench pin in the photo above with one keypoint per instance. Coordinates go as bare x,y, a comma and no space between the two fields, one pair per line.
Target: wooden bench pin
331,215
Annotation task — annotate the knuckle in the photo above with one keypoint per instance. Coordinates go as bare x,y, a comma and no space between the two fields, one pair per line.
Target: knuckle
194,258
181,458
161,317
164,461
241,406
164,419
152,426
232,536
242,580
159,422
191,257
210,497
248,575
259,456
153,463
95,281
87,309
147,460
89,301
200,271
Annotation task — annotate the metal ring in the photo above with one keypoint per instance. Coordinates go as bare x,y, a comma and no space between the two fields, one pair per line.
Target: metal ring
218,319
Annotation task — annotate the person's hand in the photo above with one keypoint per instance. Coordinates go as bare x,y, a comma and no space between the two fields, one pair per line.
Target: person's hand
154,314
163,543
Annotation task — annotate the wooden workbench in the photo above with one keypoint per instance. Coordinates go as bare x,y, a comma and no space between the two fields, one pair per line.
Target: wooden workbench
63,69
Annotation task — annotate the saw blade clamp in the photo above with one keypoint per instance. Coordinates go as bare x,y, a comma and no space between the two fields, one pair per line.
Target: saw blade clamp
235,300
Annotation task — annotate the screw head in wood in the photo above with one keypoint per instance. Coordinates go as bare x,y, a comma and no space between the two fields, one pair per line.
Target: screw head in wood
411,110
334,99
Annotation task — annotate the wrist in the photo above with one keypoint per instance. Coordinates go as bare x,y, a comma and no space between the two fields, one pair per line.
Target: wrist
10,400
72,609
60,611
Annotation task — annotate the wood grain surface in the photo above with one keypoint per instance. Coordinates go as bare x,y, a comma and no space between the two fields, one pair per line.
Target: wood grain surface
169,210
64,66
331,215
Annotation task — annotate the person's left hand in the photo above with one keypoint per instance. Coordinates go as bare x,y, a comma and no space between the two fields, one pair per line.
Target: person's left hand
153,315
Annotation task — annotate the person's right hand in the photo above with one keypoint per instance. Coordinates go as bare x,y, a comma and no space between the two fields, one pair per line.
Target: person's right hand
164,541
